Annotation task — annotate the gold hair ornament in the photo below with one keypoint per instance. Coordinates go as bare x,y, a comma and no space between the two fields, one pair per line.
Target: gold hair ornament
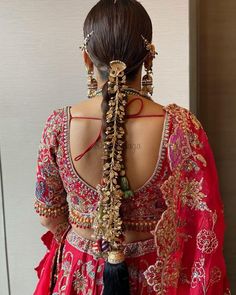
150,47
115,257
107,220
83,47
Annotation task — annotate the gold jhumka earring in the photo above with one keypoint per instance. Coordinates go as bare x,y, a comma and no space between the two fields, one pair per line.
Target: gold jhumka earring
92,84
147,80
91,81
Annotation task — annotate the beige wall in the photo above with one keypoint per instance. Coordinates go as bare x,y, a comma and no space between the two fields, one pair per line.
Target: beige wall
41,69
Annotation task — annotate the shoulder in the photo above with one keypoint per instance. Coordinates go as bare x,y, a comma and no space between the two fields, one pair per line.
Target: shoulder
183,117
187,138
55,115
53,125
86,107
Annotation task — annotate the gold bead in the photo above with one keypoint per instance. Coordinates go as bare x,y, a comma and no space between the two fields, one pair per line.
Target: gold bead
115,257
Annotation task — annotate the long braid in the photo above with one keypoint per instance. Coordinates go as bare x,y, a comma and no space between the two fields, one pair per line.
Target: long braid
108,223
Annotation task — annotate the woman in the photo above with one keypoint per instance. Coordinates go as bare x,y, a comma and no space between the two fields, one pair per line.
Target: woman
139,210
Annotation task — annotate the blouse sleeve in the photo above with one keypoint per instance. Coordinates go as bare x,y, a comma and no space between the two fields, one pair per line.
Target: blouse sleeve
50,195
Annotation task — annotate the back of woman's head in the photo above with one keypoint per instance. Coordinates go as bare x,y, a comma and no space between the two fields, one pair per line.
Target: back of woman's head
118,27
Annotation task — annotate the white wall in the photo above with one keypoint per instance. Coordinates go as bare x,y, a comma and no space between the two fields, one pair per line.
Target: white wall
41,69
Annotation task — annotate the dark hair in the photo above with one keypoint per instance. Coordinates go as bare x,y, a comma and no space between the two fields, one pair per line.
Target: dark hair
117,34
118,27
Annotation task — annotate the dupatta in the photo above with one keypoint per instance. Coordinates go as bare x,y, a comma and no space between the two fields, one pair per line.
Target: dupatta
190,234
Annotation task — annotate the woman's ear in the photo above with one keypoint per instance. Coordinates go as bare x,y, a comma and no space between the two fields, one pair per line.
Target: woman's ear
87,61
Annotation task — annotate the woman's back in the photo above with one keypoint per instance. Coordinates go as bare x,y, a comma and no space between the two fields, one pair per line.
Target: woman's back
143,141
145,153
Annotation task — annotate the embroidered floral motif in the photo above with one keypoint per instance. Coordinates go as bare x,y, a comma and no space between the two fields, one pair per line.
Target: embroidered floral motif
207,241
80,282
192,195
198,273
199,276
66,269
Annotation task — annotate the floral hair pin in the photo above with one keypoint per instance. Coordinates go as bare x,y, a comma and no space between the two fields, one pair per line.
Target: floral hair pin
86,40
149,46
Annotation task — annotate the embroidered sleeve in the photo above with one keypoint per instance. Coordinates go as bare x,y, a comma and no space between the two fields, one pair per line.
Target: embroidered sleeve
190,234
49,192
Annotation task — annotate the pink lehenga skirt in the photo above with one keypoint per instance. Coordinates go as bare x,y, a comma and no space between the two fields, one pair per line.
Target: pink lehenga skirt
81,271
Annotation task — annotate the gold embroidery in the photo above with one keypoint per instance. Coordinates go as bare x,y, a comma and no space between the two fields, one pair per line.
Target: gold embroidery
167,271
191,194
198,275
206,239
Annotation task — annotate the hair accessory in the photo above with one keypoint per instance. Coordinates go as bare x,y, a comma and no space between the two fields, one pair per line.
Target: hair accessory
92,84
149,46
147,80
86,40
107,221
115,257
117,68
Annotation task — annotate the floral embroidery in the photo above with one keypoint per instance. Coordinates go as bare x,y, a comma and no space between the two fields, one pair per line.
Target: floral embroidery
184,201
184,187
198,273
192,195
80,282
65,269
50,192
207,241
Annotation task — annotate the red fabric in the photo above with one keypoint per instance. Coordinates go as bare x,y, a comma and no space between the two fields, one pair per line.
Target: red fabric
189,233
81,273
44,269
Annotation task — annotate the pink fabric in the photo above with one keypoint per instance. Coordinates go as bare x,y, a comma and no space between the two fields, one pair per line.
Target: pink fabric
189,230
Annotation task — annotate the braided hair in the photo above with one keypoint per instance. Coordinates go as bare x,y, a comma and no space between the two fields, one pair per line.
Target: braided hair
117,50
